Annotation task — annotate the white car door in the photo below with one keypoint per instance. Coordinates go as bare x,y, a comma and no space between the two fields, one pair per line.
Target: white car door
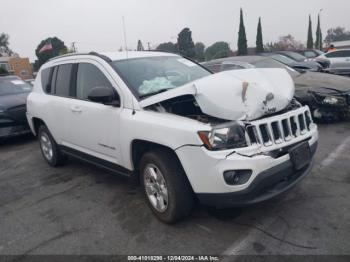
339,58
58,112
94,127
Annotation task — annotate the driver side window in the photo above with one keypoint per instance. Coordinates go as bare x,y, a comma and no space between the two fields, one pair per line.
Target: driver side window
88,77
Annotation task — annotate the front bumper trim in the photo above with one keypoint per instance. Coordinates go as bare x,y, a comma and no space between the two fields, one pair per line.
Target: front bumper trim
266,185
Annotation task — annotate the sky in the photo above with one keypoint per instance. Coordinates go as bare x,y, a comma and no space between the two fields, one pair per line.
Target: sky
96,25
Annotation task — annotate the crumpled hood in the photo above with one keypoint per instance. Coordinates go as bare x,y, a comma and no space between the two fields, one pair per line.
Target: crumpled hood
236,95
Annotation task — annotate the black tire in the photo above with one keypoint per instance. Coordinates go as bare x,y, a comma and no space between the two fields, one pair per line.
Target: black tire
58,158
180,194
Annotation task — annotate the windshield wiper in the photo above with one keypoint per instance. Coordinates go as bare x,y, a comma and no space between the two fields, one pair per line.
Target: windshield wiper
155,93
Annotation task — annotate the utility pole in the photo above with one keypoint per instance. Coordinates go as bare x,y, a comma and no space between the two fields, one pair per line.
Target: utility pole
320,32
73,47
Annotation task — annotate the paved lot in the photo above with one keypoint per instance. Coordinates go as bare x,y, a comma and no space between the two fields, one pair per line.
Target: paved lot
80,209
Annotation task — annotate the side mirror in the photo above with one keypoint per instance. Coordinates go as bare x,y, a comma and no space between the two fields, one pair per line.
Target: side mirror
104,95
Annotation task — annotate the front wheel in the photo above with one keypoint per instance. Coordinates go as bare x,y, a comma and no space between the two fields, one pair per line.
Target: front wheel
49,148
166,187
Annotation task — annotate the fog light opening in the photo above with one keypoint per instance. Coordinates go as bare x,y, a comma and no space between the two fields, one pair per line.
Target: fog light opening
237,177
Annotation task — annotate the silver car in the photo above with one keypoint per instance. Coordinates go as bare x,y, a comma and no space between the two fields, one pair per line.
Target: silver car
340,61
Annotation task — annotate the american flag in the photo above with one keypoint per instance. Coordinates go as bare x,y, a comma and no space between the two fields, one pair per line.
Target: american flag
46,47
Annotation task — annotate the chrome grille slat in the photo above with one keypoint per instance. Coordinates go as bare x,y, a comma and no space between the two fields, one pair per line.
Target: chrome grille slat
269,128
290,129
280,129
261,140
296,120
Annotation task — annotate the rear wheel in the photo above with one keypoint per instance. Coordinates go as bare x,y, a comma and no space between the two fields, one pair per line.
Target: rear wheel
49,147
166,187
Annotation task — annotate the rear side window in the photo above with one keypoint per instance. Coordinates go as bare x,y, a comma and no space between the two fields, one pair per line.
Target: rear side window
45,80
63,80
88,77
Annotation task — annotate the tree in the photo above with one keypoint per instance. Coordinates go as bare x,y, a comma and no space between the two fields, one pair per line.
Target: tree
199,48
4,44
242,37
319,39
284,43
185,43
337,34
310,39
259,39
58,48
140,46
217,50
167,47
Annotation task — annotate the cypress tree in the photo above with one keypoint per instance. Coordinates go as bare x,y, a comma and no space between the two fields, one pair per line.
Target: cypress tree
185,43
319,41
242,38
310,39
259,39
140,46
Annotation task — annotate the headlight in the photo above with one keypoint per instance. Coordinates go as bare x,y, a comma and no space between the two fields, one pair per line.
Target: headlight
221,137
330,100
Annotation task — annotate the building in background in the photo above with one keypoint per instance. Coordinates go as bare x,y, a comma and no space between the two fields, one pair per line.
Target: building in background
341,44
17,66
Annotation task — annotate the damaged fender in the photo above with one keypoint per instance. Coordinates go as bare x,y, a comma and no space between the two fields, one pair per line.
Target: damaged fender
236,95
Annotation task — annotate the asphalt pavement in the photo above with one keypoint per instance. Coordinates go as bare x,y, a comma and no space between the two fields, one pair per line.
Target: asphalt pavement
82,209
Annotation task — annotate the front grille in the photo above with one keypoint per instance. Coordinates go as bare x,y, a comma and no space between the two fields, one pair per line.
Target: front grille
280,129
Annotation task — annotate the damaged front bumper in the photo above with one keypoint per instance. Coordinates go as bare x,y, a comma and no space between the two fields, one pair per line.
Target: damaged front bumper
268,184
330,106
268,160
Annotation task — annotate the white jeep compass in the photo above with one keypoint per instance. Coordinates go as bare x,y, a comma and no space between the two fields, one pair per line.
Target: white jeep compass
228,139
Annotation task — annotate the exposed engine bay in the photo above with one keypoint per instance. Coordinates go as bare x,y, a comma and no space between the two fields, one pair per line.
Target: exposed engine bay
187,106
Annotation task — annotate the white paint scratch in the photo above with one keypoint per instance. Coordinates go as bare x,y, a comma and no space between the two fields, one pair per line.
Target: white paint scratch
207,229
243,244
335,153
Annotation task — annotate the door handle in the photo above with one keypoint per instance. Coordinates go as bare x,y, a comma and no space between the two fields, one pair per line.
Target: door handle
75,109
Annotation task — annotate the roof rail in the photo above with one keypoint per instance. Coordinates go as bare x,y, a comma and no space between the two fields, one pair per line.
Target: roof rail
163,51
107,59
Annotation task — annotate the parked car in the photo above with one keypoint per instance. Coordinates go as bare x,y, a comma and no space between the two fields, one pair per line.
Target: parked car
340,62
328,96
310,53
13,95
184,131
30,81
315,55
297,65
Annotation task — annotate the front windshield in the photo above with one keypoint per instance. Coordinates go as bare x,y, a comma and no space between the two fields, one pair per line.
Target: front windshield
13,85
297,57
151,75
270,63
319,52
283,59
